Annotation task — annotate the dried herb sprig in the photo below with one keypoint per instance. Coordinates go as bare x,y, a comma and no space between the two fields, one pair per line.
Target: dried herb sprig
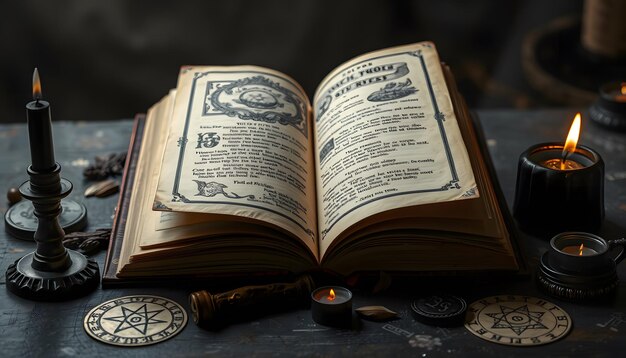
87,243
105,166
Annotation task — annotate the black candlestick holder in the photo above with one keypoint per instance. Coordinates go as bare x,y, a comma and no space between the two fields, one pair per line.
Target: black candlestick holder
585,274
549,201
52,272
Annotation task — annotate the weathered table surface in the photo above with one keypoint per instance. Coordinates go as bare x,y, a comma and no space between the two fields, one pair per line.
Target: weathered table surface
56,329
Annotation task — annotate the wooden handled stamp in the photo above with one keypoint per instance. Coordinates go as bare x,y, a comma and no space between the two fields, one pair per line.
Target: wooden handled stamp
215,310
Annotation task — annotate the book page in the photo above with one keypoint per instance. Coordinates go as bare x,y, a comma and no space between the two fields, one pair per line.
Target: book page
139,214
386,138
240,144
206,244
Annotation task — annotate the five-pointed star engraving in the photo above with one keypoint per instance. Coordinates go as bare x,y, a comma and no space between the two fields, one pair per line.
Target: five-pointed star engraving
138,319
517,319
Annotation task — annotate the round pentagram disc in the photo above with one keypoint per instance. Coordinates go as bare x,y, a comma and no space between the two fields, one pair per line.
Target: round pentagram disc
21,222
517,320
135,320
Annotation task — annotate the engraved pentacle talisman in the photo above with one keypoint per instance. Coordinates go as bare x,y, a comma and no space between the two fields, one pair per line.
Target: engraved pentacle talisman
135,320
517,320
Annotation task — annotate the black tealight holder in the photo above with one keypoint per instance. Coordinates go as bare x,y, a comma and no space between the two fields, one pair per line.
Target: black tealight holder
548,201
580,273
609,110
332,309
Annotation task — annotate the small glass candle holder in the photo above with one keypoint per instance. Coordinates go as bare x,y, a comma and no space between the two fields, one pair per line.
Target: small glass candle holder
552,195
609,110
581,253
580,266
332,306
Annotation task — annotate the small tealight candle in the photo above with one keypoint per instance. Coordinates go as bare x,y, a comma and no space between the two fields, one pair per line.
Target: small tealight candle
579,250
332,306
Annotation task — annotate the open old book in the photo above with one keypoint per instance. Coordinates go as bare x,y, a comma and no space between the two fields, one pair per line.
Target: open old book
237,173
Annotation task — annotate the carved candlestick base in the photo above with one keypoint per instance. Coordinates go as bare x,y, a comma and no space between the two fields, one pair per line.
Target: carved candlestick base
52,272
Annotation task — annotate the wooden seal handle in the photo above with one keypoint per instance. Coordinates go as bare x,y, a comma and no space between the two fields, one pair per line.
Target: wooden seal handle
214,310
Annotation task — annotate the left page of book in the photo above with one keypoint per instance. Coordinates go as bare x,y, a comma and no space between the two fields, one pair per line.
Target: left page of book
212,246
240,144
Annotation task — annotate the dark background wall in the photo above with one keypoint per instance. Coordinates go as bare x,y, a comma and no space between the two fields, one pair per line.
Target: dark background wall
111,59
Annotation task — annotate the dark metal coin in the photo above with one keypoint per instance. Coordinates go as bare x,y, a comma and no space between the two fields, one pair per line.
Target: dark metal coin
441,310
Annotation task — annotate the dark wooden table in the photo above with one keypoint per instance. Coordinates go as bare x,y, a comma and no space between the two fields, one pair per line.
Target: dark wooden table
56,329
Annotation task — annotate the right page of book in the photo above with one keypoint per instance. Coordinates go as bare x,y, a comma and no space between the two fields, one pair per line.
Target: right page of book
386,138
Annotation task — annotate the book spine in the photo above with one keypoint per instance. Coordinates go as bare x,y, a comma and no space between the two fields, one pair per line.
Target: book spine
119,220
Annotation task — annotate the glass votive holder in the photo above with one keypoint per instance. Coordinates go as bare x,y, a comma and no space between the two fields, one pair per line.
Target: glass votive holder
580,266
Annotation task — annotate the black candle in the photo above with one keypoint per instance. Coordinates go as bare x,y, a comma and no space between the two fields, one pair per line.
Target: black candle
560,187
549,200
40,130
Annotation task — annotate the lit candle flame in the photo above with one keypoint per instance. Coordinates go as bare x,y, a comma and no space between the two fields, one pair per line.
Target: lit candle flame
36,85
572,139
623,88
580,250
331,296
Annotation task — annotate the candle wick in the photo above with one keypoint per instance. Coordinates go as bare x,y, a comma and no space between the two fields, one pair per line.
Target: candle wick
564,158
